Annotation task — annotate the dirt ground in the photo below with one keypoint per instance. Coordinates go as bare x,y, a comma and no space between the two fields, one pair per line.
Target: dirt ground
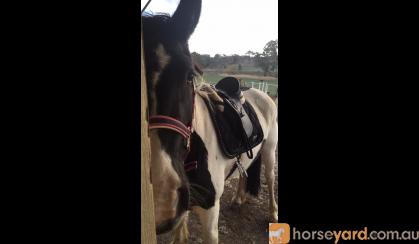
247,224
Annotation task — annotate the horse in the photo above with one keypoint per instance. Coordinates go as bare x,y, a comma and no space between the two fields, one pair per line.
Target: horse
180,125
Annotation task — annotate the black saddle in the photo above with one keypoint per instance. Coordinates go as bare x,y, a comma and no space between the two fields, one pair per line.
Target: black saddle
237,126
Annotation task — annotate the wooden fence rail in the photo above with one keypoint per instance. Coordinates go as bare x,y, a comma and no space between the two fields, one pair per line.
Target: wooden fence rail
148,230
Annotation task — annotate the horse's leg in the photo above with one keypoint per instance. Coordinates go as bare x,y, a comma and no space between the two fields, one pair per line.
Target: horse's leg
268,159
240,197
209,221
181,233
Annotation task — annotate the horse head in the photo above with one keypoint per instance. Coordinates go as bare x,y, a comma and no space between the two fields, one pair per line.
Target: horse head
169,74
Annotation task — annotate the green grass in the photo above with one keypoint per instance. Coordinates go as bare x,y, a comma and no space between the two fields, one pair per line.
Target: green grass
251,68
212,77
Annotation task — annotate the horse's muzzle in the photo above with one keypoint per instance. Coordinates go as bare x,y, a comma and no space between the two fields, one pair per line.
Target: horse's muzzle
183,204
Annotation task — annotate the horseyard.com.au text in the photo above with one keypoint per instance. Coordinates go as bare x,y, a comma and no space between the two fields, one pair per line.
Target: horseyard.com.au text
346,235
282,233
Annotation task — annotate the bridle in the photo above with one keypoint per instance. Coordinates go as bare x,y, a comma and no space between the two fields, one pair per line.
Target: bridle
173,124
170,123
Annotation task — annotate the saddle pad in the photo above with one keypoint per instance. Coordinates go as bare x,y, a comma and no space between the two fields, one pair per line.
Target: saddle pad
229,128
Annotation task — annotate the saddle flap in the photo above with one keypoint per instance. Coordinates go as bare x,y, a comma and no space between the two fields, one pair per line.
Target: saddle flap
242,117
247,126
236,132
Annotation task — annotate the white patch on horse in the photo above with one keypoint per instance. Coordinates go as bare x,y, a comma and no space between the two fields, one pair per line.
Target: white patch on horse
162,55
163,60
165,181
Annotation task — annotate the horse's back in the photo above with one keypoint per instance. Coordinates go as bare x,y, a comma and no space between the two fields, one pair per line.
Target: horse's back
265,108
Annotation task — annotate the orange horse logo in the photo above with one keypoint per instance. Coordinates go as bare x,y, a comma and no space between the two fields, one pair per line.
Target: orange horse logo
279,233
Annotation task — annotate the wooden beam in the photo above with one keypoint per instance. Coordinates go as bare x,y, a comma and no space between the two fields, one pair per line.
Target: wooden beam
148,229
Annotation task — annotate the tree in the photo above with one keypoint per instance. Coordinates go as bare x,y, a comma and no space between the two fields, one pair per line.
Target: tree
195,57
250,53
203,60
263,62
216,61
270,51
268,59
235,58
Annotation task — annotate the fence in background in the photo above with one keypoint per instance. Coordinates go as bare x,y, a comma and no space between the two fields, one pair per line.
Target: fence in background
264,86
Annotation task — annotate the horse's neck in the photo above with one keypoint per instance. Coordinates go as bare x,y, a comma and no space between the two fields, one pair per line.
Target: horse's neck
201,114
204,92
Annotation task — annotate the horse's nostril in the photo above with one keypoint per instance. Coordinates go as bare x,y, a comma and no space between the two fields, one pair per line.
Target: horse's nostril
165,227
183,204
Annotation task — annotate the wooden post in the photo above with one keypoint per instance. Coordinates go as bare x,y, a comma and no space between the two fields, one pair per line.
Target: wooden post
148,228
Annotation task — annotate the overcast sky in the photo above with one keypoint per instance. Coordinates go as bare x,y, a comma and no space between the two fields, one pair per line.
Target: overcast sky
228,26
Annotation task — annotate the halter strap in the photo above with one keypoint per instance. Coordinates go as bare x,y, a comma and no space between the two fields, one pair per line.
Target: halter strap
166,122
169,123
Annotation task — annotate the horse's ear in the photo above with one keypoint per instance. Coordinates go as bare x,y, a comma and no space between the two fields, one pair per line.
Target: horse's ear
185,18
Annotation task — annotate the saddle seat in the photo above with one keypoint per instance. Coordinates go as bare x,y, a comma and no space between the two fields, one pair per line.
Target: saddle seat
235,121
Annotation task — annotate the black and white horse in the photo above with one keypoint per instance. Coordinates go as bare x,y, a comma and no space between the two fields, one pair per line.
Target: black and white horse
179,121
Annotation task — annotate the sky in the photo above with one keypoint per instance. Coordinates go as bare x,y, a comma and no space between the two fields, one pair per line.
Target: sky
228,26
